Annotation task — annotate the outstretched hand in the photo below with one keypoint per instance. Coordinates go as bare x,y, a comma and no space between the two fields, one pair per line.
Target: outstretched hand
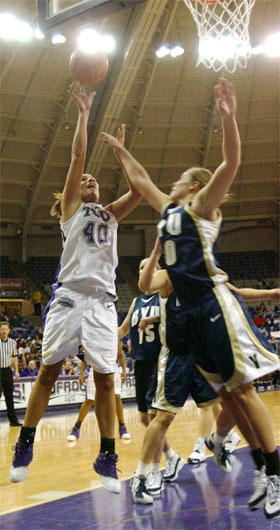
81,98
225,97
113,142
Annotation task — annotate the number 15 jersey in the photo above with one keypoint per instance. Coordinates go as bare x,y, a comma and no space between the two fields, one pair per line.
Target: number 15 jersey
89,257
145,345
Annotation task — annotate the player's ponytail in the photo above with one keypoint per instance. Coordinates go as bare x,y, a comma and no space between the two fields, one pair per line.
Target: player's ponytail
56,207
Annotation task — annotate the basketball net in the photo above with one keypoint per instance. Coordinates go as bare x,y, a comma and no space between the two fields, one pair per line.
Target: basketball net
223,32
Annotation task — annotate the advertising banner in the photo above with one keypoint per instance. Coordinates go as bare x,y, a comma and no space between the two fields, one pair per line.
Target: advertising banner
66,390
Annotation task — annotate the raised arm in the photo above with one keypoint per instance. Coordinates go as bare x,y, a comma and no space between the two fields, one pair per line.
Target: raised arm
122,361
151,279
211,196
137,175
249,293
124,328
70,200
128,202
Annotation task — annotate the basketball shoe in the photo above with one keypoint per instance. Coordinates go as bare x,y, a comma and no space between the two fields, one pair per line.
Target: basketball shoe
106,466
74,435
123,433
21,460
220,454
257,499
272,501
138,486
231,442
155,483
198,452
173,466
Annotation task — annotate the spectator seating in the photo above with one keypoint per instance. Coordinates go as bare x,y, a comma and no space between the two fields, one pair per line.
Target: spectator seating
5,271
248,265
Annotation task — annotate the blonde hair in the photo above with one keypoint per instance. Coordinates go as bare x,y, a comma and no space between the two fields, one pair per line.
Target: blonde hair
202,175
56,207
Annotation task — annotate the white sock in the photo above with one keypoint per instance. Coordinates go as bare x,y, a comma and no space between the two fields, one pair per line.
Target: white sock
155,467
170,453
230,433
218,439
142,469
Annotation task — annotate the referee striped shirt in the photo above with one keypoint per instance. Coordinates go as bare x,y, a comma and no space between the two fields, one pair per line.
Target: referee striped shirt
8,350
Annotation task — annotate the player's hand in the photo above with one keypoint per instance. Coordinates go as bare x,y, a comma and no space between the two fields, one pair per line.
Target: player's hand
113,142
123,376
225,97
81,98
143,324
16,376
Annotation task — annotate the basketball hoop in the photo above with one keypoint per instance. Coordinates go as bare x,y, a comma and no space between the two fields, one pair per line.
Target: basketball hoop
223,32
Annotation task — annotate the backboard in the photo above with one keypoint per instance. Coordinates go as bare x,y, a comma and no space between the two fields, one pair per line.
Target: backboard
71,14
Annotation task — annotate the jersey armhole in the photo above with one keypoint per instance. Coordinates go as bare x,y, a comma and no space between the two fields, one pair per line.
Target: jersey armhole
164,206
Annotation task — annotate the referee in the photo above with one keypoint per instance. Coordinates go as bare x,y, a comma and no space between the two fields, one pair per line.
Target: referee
8,354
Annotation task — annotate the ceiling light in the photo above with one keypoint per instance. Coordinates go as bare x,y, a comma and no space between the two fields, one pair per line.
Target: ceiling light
272,45
257,49
24,31
162,51
8,26
223,48
108,43
58,38
89,41
176,51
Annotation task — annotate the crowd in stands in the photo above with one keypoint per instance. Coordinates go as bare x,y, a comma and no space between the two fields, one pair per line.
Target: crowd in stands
261,265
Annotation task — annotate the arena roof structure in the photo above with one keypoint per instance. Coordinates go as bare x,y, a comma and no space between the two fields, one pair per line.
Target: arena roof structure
167,104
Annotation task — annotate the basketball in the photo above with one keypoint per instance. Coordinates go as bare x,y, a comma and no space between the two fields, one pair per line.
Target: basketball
88,68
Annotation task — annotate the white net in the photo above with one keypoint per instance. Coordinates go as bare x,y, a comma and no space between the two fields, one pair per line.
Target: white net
223,32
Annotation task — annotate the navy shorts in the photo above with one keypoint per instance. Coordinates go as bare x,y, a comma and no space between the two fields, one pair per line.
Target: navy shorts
178,378
228,347
146,382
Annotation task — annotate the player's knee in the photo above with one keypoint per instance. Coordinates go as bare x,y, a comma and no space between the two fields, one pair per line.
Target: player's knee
144,419
164,419
104,382
47,377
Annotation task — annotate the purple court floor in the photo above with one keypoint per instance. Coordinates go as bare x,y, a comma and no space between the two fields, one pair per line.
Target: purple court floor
203,497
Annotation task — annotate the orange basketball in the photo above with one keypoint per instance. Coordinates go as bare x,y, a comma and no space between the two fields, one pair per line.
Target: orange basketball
88,68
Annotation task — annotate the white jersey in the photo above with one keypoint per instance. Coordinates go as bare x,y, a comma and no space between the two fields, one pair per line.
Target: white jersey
89,258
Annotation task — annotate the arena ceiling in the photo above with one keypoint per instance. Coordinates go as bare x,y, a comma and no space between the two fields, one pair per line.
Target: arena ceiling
166,103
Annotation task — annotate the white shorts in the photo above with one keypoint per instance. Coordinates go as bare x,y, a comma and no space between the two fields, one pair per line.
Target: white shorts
90,386
74,319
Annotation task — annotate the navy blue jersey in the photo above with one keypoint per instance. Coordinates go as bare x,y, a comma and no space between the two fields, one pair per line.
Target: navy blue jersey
173,316
189,247
145,345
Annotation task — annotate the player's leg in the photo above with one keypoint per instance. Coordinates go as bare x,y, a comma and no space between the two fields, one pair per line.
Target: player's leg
85,408
119,407
242,355
37,404
119,411
152,443
99,337
205,428
255,424
83,412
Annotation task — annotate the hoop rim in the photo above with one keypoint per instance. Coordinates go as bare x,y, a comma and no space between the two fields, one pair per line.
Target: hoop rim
209,1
